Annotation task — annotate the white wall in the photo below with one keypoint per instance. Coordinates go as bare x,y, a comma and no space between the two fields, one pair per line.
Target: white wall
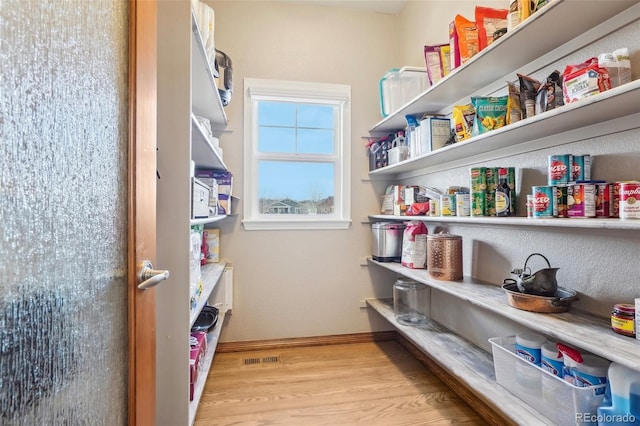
307,283
304,283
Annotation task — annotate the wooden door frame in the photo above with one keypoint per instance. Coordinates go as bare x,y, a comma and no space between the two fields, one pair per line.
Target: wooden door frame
142,208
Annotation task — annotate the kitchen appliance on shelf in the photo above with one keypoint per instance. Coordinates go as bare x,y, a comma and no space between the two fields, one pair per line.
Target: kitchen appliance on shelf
224,61
386,241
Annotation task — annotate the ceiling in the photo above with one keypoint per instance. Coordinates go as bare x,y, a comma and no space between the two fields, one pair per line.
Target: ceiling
383,6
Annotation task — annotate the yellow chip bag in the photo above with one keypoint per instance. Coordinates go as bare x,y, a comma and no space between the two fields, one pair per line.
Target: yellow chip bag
462,117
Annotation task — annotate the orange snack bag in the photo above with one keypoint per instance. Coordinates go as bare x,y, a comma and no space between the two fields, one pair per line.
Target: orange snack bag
488,21
467,38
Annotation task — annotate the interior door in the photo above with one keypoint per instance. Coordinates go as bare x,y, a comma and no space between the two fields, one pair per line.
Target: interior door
77,211
142,208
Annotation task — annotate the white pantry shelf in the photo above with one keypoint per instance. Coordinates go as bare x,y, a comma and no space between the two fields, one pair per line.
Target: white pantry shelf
211,273
212,342
573,327
613,104
550,27
591,223
464,361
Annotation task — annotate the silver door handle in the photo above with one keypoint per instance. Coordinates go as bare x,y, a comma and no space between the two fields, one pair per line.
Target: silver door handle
149,277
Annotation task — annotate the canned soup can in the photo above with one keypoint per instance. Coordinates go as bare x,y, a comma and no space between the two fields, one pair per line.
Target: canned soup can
581,200
629,200
543,201
559,171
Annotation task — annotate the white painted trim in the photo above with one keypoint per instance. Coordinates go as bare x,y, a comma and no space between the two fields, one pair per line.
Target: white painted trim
280,225
256,90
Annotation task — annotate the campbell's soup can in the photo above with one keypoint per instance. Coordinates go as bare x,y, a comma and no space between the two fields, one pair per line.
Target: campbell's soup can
615,201
542,201
630,200
580,167
560,201
604,200
560,169
581,200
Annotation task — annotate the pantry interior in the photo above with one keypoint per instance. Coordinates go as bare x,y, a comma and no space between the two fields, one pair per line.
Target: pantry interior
305,284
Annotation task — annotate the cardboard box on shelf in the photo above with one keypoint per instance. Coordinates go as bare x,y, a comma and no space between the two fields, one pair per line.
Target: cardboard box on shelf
432,134
199,199
224,182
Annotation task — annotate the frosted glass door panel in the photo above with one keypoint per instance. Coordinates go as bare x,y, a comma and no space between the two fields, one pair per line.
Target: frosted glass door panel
63,212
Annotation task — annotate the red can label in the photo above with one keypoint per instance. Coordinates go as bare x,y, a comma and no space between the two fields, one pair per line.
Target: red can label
543,201
560,169
630,200
604,197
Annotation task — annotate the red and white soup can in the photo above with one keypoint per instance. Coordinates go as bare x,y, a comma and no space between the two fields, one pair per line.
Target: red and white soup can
629,207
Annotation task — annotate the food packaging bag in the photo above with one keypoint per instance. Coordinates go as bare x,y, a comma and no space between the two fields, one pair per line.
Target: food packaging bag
414,245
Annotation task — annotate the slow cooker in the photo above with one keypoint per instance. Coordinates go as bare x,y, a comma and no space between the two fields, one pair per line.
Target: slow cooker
386,241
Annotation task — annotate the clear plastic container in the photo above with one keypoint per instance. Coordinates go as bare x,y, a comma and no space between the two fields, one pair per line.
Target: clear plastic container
410,302
560,401
413,81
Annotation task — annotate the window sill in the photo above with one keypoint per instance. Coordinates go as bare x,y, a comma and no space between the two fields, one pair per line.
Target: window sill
293,225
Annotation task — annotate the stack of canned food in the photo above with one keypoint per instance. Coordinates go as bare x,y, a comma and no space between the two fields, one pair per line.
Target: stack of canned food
493,191
571,193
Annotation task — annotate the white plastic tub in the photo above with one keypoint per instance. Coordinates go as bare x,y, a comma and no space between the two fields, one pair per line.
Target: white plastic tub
560,401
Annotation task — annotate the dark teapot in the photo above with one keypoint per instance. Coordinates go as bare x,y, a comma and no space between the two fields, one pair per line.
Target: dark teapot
540,283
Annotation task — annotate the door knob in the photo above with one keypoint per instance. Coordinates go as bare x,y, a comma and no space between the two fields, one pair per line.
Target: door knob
149,277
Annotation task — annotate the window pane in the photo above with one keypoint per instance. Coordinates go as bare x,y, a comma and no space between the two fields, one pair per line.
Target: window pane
317,116
276,139
276,114
295,187
315,141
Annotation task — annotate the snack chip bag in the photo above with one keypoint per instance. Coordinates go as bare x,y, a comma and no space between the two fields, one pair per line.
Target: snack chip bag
467,38
491,113
550,93
514,110
528,91
489,21
462,118
434,58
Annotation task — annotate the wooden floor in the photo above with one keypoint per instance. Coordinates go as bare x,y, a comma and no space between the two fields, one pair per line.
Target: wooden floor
377,383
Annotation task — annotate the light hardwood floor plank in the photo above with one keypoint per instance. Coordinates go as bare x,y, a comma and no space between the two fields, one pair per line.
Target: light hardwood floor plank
377,383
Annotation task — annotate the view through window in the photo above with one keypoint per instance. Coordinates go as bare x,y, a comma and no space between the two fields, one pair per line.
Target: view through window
297,153
296,158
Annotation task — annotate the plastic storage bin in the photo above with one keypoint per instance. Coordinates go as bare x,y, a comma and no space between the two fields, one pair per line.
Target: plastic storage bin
560,401
413,81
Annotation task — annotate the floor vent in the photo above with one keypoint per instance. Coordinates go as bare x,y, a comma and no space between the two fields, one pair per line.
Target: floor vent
263,360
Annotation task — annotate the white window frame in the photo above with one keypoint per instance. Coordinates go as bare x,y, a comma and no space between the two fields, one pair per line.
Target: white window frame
256,90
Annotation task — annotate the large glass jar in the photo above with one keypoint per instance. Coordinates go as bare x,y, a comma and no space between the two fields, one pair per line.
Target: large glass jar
411,302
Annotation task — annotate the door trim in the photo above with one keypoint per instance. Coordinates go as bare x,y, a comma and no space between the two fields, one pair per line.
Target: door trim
142,207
